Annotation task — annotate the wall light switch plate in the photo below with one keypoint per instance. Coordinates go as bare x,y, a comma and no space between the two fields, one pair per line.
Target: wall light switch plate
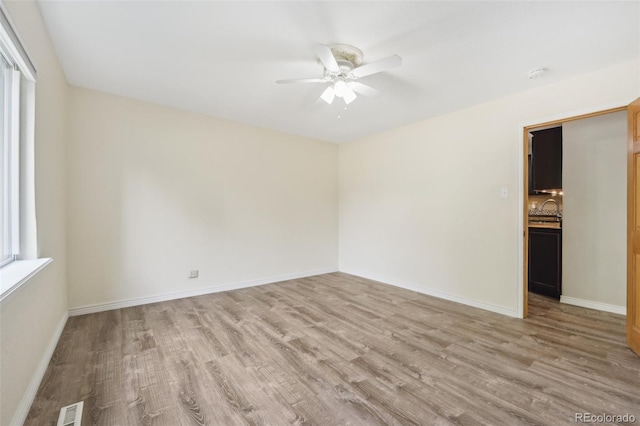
193,274
504,192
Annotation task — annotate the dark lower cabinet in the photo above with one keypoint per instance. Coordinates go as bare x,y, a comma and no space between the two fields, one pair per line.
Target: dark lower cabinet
545,261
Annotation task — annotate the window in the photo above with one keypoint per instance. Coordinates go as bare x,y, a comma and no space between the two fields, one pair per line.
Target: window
9,165
17,79
4,223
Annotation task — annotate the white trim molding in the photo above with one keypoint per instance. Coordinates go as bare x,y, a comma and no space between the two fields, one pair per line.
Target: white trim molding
437,293
100,307
25,404
19,272
615,309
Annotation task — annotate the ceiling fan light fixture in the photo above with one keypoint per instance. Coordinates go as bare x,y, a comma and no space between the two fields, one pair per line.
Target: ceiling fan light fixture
342,90
342,68
340,87
328,95
348,95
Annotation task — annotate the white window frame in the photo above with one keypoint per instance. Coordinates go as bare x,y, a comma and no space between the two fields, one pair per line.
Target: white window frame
11,167
20,70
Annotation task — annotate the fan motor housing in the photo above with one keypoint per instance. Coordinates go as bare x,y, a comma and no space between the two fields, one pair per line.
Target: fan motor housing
347,56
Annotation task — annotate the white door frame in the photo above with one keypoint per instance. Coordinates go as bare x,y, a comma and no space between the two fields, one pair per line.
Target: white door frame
539,122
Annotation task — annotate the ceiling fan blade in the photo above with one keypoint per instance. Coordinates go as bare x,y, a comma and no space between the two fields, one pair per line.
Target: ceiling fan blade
328,95
363,89
302,80
326,57
378,66
348,95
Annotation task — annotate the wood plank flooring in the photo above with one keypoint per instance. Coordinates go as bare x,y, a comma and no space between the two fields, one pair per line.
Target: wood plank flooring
336,349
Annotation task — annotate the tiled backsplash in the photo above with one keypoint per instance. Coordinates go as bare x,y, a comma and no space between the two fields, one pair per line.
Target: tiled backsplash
535,204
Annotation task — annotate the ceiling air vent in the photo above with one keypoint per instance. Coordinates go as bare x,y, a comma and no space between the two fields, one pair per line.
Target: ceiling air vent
71,415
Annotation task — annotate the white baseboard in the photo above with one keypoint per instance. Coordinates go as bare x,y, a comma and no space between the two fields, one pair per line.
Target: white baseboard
100,307
437,293
621,310
25,404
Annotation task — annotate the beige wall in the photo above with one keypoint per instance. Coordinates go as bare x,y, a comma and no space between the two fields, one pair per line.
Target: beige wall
420,205
155,192
594,239
30,316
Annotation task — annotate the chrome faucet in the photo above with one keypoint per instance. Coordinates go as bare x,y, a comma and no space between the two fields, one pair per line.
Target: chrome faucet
551,200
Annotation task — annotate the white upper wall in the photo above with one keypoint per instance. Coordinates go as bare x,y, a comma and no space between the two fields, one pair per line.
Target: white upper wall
420,205
156,192
30,316
230,53
594,225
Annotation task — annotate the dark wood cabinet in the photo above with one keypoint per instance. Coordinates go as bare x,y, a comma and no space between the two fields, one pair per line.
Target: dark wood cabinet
532,191
545,261
546,160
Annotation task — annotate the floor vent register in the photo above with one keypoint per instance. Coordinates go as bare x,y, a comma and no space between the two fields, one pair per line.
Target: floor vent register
71,415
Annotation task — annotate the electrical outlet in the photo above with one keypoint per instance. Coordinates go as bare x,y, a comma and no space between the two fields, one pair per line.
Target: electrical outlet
193,274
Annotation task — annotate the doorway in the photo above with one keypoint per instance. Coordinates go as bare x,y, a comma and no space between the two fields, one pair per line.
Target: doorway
526,205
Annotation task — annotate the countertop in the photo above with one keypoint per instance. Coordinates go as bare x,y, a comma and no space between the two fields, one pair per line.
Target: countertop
545,225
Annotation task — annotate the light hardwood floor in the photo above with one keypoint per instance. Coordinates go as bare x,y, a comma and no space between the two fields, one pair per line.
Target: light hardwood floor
336,349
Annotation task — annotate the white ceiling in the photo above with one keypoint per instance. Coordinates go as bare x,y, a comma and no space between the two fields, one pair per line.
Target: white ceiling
222,58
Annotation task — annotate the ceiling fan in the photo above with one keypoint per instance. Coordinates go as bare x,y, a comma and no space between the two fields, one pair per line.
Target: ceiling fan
342,69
